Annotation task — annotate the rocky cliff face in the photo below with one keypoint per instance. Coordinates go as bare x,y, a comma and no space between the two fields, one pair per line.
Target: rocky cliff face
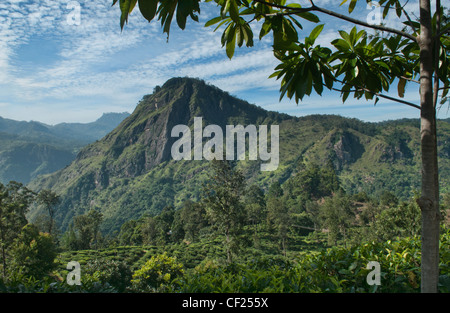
143,140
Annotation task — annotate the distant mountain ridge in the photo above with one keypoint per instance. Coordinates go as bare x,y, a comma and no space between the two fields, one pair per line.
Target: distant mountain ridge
79,133
130,172
29,149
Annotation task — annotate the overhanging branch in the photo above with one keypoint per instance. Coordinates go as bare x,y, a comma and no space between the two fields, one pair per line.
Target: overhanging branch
358,88
383,96
315,8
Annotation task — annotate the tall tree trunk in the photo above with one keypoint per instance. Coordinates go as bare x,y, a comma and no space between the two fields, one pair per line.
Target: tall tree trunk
429,200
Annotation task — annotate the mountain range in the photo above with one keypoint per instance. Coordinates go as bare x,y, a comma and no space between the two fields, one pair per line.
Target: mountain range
130,171
29,149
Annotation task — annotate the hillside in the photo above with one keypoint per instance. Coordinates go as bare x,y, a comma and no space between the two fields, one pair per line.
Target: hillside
130,172
29,149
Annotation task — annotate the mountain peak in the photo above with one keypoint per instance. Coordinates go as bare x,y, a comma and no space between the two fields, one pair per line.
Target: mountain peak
146,134
178,81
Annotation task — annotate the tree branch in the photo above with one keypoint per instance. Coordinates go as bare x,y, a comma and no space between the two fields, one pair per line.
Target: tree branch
358,88
365,24
410,79
408,18
315,8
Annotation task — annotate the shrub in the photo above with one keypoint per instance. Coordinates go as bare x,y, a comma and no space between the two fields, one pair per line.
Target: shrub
115,273
159,274
33,253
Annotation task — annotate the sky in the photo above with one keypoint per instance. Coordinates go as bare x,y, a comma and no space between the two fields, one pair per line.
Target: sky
69,61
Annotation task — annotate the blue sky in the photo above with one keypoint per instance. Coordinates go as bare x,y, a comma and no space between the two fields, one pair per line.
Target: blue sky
54,70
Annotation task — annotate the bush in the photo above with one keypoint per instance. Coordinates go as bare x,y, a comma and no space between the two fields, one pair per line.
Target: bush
115,273
33,253
336,270
159,274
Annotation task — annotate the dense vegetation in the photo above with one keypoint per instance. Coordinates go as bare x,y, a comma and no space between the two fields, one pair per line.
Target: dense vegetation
305,235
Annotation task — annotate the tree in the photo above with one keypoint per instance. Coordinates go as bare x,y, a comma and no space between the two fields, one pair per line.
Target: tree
223,202
33,253
402,220
49,200
279,216
192,218
362,64
337,214
130,233
14,202
150,231
255,206
164,221
312,182
87,227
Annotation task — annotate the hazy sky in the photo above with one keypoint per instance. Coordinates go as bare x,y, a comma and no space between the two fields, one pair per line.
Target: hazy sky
57,68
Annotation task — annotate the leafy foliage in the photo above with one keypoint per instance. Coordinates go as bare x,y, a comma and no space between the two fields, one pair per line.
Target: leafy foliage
158,274
116,274
33,253
14,201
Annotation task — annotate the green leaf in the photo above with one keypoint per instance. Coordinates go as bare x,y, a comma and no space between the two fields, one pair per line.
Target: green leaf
316,32
186,8
225,8
398,8
234,11
341,44
166,12
346,37
231,44
248,35
289,32
213,21
126,7
352,5
309,16
294,5
239,36
265,28
401,87
386,11
132,5
296,22
148,8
